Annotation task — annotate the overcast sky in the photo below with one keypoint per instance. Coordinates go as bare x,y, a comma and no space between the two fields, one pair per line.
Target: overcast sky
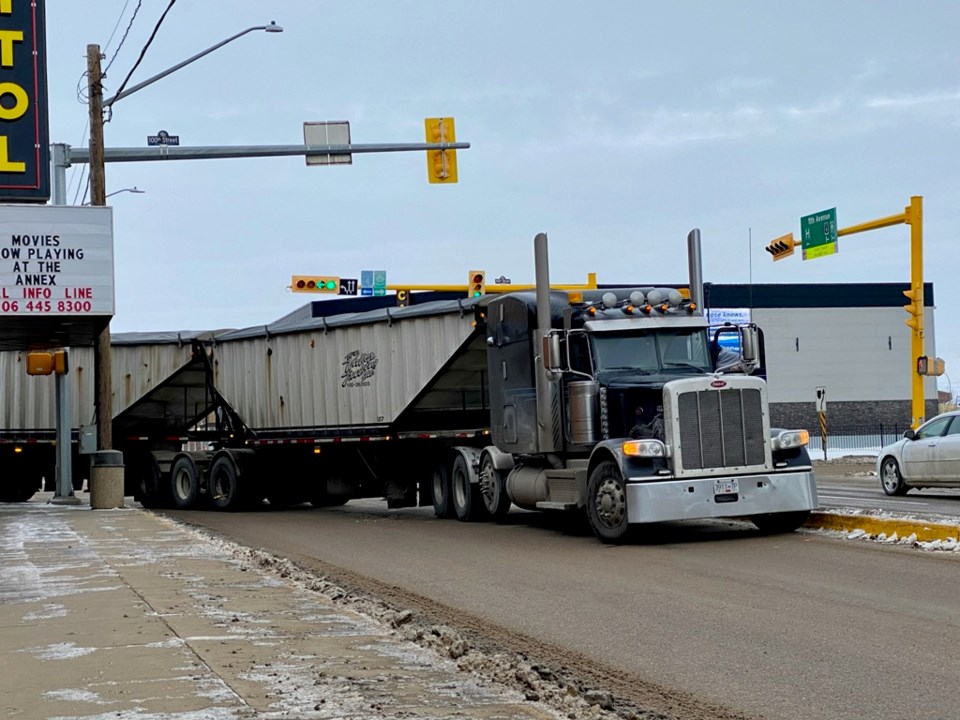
615,127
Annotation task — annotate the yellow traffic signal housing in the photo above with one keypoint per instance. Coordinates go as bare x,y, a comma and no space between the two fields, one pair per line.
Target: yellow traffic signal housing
441,164
39,363
403,298
45,363
932,366
782,247
476,283
914,309
315,284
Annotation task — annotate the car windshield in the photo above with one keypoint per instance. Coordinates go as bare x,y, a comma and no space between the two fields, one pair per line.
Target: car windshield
649,351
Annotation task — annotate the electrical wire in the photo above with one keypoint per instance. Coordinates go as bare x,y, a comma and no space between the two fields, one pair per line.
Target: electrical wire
144,50
125,32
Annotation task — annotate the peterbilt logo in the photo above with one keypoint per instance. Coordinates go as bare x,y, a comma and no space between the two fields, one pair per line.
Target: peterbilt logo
718,384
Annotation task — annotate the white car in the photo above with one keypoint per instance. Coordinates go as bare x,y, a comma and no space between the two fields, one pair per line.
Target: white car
926,457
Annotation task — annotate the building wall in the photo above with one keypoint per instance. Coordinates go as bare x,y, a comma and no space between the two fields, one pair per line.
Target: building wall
850,339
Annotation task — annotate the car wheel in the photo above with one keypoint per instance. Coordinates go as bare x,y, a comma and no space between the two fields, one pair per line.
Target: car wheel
891,479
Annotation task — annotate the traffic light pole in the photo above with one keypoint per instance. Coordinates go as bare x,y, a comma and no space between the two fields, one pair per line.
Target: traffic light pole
912,215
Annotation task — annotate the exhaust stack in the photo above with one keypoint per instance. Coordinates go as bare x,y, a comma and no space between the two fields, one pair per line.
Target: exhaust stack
548,395
695,268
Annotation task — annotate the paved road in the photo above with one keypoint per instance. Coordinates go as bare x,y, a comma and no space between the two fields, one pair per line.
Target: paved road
794,627
853,485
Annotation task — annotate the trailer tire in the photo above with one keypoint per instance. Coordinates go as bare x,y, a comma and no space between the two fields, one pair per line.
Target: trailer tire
440,490
229,489
153,489
493,488
465,496
184,482
777,523
607,503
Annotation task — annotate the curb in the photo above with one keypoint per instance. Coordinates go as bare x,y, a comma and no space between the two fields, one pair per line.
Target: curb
924,530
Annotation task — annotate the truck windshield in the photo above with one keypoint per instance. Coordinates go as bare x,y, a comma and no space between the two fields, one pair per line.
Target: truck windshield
682,349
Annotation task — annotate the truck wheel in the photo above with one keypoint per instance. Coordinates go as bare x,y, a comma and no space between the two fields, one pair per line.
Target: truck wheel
785,522
440,489
493,488
184,482
467,501
153,490
225,483
607,503
891,479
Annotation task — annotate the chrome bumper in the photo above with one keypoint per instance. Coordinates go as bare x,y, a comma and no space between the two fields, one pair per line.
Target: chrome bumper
691,499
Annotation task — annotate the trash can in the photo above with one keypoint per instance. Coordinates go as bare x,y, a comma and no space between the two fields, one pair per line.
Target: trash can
106,480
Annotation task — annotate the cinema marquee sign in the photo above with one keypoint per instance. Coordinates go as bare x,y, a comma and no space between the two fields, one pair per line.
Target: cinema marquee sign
24,135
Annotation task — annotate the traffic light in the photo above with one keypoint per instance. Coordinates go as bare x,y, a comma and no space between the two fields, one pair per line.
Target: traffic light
403,298
441,164
782,247
933,366
915,309
476,283
315,284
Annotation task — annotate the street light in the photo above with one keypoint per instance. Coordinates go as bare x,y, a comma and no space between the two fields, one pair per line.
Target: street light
133,189
101,351
271,28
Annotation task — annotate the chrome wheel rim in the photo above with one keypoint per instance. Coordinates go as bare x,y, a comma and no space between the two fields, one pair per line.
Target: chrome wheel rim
182,484
489,486
891,479
460,488
611,503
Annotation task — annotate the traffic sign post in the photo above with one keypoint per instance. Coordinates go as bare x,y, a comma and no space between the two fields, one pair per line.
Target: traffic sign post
819,234
822,416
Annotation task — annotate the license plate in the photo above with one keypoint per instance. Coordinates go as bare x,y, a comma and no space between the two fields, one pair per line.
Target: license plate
726,487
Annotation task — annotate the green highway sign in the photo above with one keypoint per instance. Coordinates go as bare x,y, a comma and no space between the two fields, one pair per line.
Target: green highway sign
818,234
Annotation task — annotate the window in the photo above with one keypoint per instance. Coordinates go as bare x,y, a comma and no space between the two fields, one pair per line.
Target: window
934,428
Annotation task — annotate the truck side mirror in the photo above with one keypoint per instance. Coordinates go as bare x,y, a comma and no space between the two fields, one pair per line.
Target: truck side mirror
551,353
749,347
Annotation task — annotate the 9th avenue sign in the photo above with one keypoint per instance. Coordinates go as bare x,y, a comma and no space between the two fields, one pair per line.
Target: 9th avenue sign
819,234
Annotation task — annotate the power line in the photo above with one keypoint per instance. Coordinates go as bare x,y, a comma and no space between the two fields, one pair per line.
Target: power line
125,32
144,50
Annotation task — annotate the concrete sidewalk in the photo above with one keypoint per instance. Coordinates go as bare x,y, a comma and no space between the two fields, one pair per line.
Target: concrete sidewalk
124,614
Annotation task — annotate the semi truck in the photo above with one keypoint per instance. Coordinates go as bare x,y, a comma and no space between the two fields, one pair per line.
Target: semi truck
617,404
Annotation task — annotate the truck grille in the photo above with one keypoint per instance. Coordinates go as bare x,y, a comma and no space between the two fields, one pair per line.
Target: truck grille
721,429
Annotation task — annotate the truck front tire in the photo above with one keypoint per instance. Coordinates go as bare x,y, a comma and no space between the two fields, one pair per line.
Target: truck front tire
607,503
776,523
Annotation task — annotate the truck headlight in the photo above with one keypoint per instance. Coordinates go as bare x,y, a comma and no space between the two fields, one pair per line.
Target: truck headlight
644,448
789,439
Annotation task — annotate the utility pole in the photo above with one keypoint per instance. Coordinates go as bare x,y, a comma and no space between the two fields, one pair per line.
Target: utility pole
102,381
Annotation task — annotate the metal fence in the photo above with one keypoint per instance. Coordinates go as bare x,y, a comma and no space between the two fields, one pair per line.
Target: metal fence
866,438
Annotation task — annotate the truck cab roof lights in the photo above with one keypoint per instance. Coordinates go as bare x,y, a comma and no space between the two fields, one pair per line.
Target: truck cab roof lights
591,311
646,309
663,308
691,307
629,309
609,300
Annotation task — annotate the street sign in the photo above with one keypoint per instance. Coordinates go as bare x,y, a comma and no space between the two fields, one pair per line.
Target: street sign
348,286
818,234
366,278
366,291
821,399
380,280
163,138
379,291
327,133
